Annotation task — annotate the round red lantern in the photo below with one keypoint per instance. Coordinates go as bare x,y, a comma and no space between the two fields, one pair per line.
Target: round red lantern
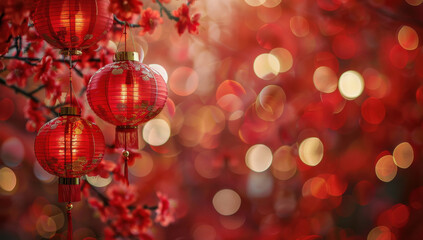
69,147
72,24
126,93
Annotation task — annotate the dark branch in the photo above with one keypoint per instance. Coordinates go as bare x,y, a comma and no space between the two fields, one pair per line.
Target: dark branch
165,10
120,22
37,89
28,95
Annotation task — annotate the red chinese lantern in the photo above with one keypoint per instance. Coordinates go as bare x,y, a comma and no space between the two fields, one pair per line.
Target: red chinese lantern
126,93
72,25
69,147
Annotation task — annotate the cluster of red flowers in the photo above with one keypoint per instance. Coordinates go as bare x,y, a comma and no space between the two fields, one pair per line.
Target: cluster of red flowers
34,113
186,22
150,19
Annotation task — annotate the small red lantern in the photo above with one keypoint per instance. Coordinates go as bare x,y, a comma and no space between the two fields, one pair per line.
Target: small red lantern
126,93
69,147
72,24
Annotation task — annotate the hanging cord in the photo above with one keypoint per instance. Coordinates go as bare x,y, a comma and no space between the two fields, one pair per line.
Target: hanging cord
69,207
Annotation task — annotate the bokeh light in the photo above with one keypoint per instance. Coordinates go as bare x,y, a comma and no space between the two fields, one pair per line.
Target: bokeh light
258,158
284,165
254,3
380,233
284,57
259,185
226,202
55,213
299,26
12,152
229,95
311,151
46,227
270,103
403,155
143,165
266,66
385,168
408,38
8,180
414,2
325,79
271,3
98,181
351,84
160,69
42,174
183,81
156,132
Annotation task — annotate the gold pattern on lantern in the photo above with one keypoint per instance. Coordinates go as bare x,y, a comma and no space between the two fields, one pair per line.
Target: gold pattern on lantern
88,36
79,163
79,128
117,71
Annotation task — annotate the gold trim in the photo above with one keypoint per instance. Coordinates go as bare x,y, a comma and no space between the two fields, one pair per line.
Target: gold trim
69,52
126,127
127,56
69,110
68,181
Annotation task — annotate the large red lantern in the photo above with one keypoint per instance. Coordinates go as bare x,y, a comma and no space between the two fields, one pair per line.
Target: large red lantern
126,93
72,24
69,147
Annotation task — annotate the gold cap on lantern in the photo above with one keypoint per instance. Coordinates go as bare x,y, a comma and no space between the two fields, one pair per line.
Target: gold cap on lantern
69,110
127,56
69,181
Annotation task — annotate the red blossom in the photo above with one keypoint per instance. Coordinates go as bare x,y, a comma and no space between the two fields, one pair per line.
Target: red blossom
185,22
43,70
164,212
125,9
103,169
34,115
97,204
35,43
5,32
4,47
20,29
19,73
45,74
150,20
121,195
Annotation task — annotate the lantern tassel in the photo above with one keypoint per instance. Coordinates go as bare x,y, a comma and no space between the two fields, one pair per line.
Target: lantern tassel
69,190
126,171
69,206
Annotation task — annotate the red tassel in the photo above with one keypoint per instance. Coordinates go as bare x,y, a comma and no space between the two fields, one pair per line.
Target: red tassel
126,171
69,206
69,190
126,137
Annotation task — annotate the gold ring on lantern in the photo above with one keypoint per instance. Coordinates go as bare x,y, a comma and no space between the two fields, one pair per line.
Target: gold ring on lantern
69,181
69,110
127,56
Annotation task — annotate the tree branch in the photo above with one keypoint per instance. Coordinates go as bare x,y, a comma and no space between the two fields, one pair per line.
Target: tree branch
120,22
165,10
29,95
